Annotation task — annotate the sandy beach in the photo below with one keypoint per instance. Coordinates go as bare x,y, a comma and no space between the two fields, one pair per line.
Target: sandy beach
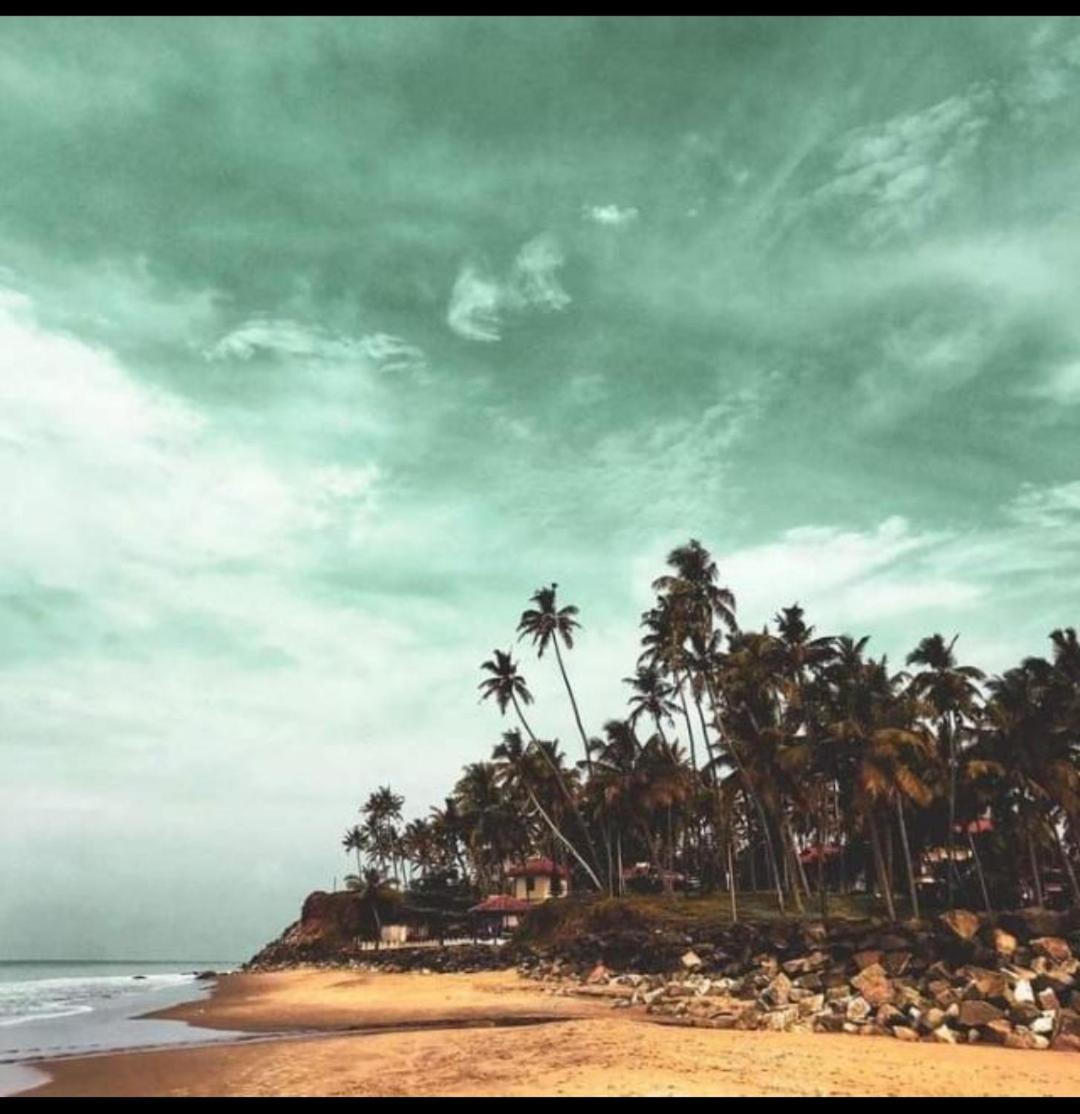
497,1034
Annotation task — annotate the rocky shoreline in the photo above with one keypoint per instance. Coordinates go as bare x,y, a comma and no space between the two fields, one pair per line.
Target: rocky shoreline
1011,980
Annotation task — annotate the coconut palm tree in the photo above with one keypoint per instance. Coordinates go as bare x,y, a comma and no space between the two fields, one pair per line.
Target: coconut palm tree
547,624
651,697
507,687
356,840
952,691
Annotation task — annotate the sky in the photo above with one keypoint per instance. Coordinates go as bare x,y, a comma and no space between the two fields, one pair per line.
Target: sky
325,342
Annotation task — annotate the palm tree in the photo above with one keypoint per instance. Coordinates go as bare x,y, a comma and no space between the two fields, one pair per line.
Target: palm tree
547,624
508,688
356,840
651,697
953,693
511,758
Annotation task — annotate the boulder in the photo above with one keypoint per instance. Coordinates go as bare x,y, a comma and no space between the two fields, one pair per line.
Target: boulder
902,1032
931,1019
976,1012
690,960
868,958
997,1030
599,974
986,983
778,992
944,1035
1047,1000
873,984
896,963
780,1020
960,923
1053,948
1004,943
858,1009
1025,1039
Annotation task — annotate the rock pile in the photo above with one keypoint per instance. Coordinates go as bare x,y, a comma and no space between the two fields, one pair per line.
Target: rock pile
962,979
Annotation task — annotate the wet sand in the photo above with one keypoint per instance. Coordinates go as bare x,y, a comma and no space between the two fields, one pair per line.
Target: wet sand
496,1034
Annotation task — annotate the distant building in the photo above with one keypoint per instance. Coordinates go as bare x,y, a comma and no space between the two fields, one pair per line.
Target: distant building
538,879
531,882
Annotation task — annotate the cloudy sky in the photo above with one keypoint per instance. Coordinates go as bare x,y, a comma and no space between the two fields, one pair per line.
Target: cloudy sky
323,343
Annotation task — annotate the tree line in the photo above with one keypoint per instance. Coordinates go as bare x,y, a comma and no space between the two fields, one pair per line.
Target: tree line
777,759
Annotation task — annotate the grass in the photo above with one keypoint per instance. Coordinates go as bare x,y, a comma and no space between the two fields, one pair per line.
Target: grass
562,919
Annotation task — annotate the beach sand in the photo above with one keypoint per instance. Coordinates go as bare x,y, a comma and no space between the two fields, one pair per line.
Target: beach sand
497,1034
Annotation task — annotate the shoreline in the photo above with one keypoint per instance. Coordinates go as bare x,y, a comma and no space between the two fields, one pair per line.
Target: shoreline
333,1032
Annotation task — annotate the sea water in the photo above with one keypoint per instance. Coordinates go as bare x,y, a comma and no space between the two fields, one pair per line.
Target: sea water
67,1008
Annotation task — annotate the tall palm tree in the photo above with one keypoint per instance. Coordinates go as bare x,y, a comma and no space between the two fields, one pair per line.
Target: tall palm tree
651,697
547,624
508,688
356,840
953,692
512,763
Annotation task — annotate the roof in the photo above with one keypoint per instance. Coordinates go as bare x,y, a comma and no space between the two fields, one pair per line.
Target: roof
537,868
810,855
501,903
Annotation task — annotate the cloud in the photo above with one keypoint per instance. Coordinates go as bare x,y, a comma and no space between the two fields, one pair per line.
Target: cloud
479,300
533,280
611,215
279,337
1054,506
1062,385
475,303
899,174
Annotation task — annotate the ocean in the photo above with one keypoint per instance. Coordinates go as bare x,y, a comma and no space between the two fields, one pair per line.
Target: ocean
55,1008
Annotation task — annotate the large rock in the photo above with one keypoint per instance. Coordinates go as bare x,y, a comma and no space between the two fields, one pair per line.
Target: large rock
868,958
976,1012
1024,1038
984,983
961,923
1054,948
1004,943
778,992
873,984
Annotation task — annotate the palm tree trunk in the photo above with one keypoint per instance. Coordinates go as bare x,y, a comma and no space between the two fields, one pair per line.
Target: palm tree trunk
757,805
689,725
731,875
798,861
1066,862
1033,855
979,872
821,856
951,874
879,865
553,767
573,704
912,888
569,846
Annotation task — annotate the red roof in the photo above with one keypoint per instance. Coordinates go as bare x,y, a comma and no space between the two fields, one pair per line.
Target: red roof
983,824
810,855
501,903
537,868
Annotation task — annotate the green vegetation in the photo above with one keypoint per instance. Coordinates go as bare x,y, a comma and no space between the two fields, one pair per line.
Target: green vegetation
778,762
